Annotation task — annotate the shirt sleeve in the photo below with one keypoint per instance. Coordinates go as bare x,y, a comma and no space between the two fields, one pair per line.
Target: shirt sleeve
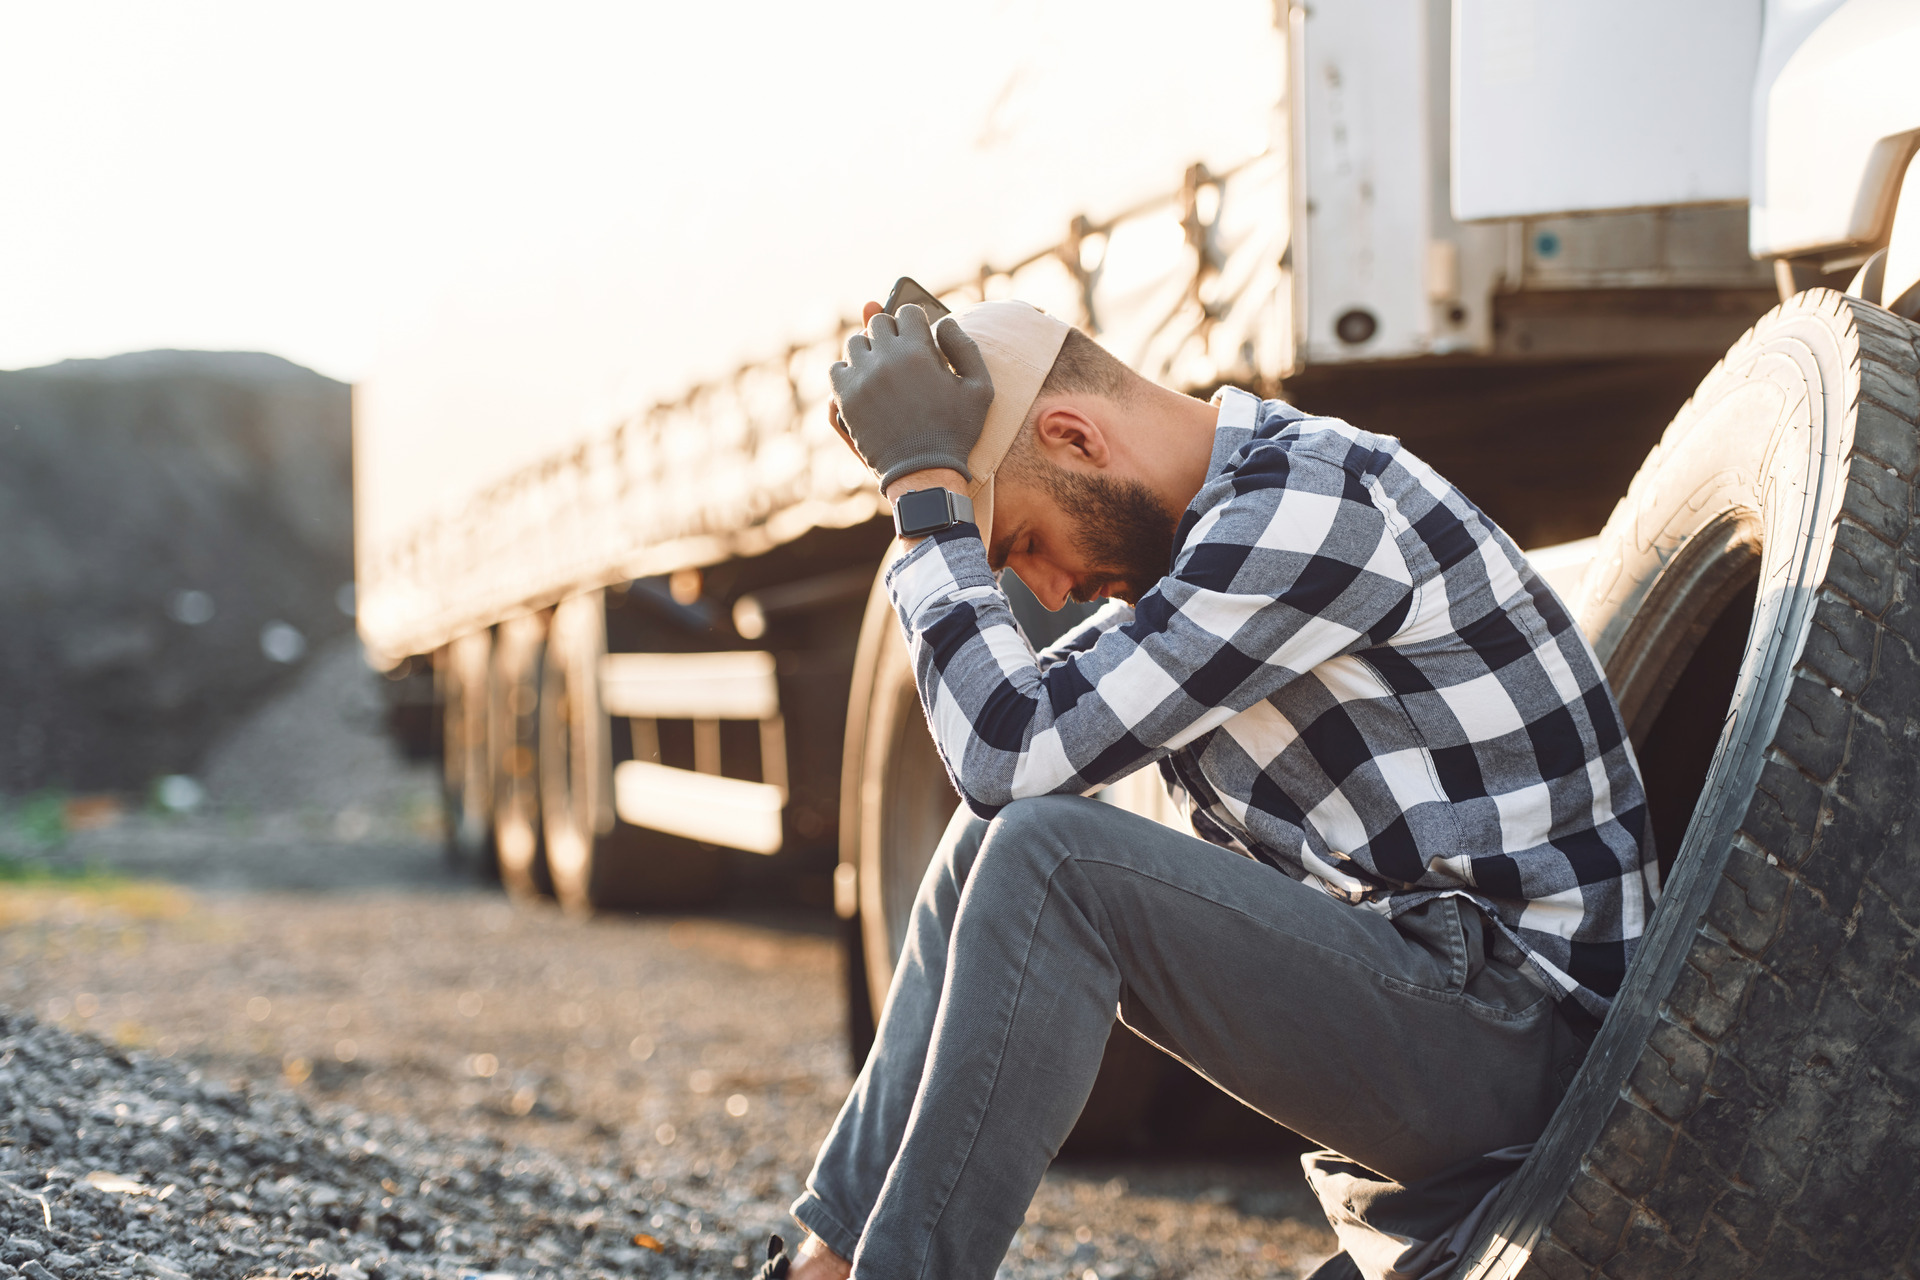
1114,613
1290,563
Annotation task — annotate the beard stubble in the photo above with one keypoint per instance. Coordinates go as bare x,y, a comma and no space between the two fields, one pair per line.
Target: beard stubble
1119,527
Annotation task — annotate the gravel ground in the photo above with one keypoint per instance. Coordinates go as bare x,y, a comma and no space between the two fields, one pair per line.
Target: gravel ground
340,1056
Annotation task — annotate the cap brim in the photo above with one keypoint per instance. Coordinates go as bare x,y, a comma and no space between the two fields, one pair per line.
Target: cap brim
1019,342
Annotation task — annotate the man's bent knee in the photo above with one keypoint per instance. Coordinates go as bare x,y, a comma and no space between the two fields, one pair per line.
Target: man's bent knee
1044,827
1043,815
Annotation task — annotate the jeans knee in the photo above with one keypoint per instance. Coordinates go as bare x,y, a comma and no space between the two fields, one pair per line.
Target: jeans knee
1027,847
1037,828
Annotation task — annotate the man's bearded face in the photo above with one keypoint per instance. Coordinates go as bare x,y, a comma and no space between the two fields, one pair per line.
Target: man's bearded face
1120,530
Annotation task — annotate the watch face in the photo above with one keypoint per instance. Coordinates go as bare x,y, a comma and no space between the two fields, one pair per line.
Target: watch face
921,512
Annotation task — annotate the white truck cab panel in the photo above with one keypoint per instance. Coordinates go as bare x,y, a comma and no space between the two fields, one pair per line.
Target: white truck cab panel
1384,266
1807,109
1562,108
1840,121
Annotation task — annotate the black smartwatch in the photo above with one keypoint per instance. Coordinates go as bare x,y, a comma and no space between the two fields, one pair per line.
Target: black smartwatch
919,512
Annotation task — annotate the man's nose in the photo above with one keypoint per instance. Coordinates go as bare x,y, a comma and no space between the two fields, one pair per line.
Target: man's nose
1050,586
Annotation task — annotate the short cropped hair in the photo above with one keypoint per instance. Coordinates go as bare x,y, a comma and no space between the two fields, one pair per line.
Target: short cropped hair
1083,367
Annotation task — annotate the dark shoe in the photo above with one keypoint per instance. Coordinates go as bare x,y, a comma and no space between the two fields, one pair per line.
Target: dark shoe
777,1260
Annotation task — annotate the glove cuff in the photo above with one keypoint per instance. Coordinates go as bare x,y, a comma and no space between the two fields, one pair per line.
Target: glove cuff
927,460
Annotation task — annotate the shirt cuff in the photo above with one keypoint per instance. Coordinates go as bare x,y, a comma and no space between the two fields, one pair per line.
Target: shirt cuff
950,561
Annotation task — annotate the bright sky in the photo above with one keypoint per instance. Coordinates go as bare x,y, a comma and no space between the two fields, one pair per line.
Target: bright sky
532,219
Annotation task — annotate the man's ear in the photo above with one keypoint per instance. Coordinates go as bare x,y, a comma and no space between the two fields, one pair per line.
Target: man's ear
1067,434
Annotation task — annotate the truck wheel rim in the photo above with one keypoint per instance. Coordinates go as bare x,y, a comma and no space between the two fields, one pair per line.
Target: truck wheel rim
907,802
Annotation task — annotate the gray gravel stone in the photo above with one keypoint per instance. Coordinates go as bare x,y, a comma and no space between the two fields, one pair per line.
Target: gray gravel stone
330,1187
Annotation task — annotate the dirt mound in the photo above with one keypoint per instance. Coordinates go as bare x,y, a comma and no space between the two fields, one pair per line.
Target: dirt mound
178,529
321,746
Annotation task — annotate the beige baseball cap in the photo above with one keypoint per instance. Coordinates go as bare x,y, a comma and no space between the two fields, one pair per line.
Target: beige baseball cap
1020,342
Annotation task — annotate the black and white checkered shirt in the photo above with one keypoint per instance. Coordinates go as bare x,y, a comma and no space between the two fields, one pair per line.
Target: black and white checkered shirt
1351,674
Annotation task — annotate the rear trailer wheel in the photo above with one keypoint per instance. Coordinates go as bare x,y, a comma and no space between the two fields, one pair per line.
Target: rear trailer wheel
895,804
461,673
519,655
1750,1106
596,861
902,800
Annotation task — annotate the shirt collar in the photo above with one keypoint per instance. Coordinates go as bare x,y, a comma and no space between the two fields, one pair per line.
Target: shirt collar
1238,409
1239,418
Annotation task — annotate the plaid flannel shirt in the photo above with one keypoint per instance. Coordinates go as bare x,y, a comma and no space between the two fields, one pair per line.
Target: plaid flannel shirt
1350,674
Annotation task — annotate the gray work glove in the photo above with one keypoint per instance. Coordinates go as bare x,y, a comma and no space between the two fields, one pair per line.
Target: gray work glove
902,406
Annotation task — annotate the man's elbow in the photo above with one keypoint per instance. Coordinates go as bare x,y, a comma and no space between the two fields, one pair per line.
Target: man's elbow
984,790
984,810
987,796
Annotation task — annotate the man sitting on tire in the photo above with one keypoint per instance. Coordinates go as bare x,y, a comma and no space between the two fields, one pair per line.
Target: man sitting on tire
1424,858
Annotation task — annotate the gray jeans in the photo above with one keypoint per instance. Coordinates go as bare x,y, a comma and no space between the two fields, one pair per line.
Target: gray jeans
1400,1044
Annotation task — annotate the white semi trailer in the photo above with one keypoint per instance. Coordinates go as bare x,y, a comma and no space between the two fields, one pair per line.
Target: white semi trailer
732,522
1520,235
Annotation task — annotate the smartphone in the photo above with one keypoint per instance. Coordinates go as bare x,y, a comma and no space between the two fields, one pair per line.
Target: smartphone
905,290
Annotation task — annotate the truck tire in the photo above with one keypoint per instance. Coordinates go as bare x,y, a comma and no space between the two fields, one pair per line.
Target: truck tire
519,654
895,803
1752,1104
596,861
461,673
896,799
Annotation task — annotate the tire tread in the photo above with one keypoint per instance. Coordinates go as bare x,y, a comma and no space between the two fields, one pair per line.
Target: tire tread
1771,1123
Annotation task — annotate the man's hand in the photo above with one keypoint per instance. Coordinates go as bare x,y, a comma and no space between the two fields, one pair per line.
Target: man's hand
867,313
900,404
